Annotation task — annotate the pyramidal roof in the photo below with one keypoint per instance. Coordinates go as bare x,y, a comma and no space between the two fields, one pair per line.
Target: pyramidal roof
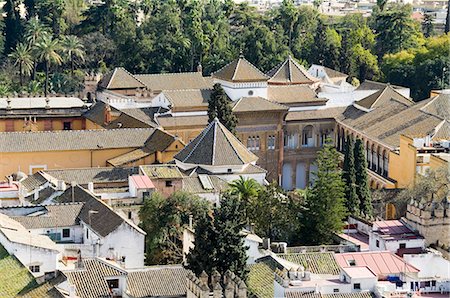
216,146
290,72
381,97
120,78
240,70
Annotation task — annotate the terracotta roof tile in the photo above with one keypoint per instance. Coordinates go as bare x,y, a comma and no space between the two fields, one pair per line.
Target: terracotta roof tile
383,96
188,98
240,70
168,122
438,106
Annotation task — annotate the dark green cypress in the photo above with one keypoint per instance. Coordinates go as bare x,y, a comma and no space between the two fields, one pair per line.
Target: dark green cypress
219,106
13,25
362,181
349,176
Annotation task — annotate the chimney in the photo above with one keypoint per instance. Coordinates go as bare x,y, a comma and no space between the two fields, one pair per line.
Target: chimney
60,185
47,105
91,187
107,114
8,103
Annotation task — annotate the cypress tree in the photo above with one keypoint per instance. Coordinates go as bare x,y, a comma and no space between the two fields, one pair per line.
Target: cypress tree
13,25
349,176
326,202
219,106
362,182
218,242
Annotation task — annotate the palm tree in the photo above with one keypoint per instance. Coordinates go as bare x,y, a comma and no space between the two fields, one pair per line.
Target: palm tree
23,59
73,48
247,189
47,50
4,90
35,31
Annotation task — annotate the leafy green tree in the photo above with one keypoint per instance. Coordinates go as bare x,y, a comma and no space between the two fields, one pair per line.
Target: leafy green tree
303,39
73,11
30,6
327,44
22,59
73,48
325,206
447,20
219,107
427,25
99,49
288,16
13,25
396,30
51,13
362,182
246,189
219,243
164,219
349,176
47,51
363,63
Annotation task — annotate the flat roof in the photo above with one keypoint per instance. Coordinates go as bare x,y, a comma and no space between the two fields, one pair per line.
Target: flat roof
359,272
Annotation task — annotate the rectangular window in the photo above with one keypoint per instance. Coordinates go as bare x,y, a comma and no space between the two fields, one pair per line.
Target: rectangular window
257,144
357,286
271,143
9,125
377,243
67,125
351,262
113,283
87,233
169,183
35,268
402,245
66,233
336,290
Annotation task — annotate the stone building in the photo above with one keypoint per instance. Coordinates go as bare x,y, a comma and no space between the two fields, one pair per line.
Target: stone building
216,286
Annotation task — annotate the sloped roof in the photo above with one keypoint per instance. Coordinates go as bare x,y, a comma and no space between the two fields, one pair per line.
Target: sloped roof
73,139
438,106
105,221
188,98
290,72
372,85
333,74
330,113
157,281
382,96
34,181
165,171
442,132
120,78
299,294
196,185
56,215
175,81
240,70
256,103
316,262
380,262
83,176
292,94
216,146
175,122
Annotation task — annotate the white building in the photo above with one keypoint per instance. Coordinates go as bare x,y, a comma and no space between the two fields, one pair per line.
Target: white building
36,252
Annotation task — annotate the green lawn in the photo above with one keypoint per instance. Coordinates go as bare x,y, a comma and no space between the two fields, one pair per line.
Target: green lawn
14,278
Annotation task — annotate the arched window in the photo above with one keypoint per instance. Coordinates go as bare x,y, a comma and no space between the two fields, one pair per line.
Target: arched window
257,144
380,162
386,163
307,136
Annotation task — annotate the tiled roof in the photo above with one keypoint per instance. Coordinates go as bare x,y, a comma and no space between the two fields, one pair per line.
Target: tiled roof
382,97
129,157
96,112
157,281
330,113
204,184
73,139
260,280
90,281
331,73
240,70
14,277
46,290
171,122
298,294
216,145
16,233
34,181
253,104
175,81
50,216
104,221
188,98
442,132
372,85
380,262
317,263
386,123
438,106
120,78
161,171
290,72
293,94
83,176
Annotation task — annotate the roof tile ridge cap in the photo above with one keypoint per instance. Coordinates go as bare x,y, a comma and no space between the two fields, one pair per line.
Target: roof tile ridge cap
204,132
377,99
236,139
395,90
165,73
214,142
256,68
112,76
431,100
280,66
238,102
236,69
305,72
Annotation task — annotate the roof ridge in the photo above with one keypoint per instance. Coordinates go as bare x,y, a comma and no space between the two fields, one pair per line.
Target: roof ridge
214,142
204,132
166,73
236,68
256,68
236,139
75,131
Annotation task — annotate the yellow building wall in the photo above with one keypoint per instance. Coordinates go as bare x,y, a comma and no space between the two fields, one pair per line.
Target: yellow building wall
14,161
92,125
57,124
402,166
